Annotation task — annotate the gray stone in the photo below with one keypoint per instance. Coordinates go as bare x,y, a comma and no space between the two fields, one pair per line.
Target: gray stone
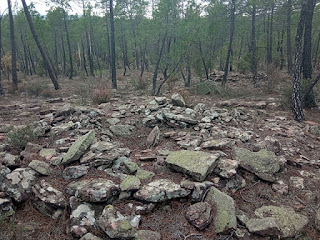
153,137
48,200
122,130
143,174
47,153
225,217
79,147
160,190
199,215
102,146
75,172
18,183
289,222
10,160
90,236
113,121
93,190
6,206
39,166
4,171
131,167
147,235
264,163
130,183
115,225
178,100
83,215
219,144
197,164
263,226
226,168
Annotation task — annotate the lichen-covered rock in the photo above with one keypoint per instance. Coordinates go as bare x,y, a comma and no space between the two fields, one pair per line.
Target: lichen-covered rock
122,130
199,215
78,148
225,217
10,160
161,190
264,163
289,222
147,235
75,172
263,226
48,200
130,183
226,167
93,190
90,236
4,171
143,174
197,164
47,153
18,184
39,166
178,100
218,144
83,215
115,225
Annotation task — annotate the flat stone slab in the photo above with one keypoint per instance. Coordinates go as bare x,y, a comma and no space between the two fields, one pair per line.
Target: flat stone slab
264,163
197,164
161,190
78,148
225,216
93,190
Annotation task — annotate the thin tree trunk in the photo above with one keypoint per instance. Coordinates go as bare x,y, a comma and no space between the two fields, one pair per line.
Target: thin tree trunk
296,94
254,47
113,48
108,42
316,52
156,69
281,51
1,89
84,59
69,45
270,37
13,49
232,23
46,60
203,61
63,56
289,49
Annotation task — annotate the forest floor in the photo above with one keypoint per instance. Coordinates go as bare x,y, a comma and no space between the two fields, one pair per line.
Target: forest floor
251,118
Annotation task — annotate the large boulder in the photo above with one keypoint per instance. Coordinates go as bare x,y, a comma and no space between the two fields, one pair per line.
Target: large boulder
78,148
161,190
289,223
18,184
93,190
197,164
225,217
263,164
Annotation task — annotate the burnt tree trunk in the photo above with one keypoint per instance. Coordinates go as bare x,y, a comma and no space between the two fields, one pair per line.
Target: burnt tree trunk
13,49
232,22
46,60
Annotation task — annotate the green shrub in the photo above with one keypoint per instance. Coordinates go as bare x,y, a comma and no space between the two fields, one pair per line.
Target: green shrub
18,138
36,89
102,93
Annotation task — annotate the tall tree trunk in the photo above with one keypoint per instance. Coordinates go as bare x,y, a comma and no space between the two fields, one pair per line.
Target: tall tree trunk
203,61
1,89
316,52
13,49
289,49
232,22
46,60
296,94
113,48
281,51
63,56
69,45
270,37
108,42
84,59
156,69
306,55
253,46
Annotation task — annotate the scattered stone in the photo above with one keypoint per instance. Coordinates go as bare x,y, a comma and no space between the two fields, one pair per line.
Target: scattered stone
143,174
147,235
39,166
226,168
93,190
197,164
263,164
297,182
115,225
131,167
78,231
83,215
280,187
11,161
289,222
47,153
48,200
220,144
263,226
199,215
113,121
130,183
122,130
79,147
90,236
153,138
178,100
4,171
75,172
225,216
161,190
18,183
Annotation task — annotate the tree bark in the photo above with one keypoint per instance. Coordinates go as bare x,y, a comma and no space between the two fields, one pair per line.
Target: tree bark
296,94
254,46
203,61
69,45
289,49
232,22
46,60
113,48
1,89
13,49
156,69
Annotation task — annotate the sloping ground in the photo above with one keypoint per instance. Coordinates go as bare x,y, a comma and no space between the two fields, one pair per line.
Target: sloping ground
254,173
